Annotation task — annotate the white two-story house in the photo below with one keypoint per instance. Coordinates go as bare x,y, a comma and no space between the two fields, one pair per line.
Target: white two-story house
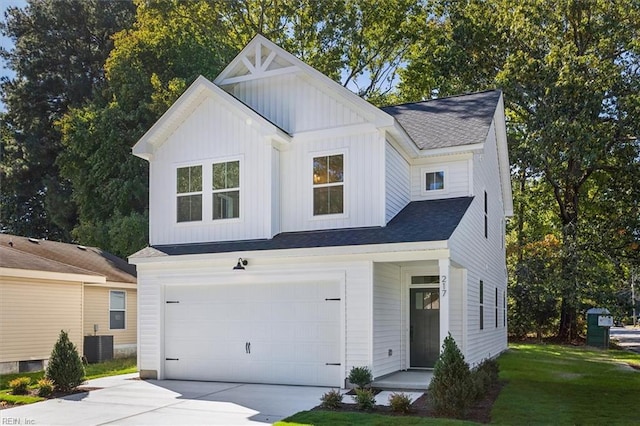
297,231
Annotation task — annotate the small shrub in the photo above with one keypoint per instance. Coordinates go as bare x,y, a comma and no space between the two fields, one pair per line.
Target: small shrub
451,390
492,368
45,387
484,376
331,400
365,399
19,385
400,402
65,368
360,376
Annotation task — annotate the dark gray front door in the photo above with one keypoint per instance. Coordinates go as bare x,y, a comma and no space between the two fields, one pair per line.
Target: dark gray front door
424,331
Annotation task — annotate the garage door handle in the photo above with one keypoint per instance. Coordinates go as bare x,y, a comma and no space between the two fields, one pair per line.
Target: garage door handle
172,359
332,363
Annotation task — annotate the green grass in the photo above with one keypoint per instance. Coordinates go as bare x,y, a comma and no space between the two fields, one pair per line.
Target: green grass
546,384
551,384
112,367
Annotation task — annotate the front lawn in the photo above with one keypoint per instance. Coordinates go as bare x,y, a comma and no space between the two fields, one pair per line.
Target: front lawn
546,384
112,367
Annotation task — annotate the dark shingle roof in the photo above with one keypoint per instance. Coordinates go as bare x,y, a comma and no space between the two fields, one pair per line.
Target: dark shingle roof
51,256
433,220
448,122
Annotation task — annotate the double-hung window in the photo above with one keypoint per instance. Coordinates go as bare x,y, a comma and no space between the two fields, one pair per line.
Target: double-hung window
189,189
117,309
226,190
328,184
481,300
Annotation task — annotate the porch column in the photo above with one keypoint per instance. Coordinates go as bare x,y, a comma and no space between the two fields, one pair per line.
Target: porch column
444,266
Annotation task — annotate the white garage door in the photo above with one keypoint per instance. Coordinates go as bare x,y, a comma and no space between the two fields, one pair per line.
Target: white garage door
285,333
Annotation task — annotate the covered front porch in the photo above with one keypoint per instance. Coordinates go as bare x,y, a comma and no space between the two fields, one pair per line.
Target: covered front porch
404,380
415,305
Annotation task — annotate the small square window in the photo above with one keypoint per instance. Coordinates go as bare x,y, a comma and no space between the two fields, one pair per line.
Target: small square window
434,181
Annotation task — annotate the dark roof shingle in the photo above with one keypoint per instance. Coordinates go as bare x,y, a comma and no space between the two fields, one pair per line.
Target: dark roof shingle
433,220
448,122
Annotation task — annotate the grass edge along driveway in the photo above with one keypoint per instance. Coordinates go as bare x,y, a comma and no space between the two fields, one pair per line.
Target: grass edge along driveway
546,384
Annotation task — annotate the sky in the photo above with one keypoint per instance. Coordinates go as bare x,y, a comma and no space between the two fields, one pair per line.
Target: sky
4,41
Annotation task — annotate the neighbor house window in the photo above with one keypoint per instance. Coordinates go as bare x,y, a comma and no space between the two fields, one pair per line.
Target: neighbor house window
328,185
434,181
226,190
189,188
117,309
481,305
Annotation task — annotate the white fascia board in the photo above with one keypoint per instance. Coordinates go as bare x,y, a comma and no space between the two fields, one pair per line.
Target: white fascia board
375,252
452,150
113,284
347,130
52,276
503,158
403,139
189,100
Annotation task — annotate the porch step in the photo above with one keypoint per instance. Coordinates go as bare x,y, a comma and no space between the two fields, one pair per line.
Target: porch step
411,379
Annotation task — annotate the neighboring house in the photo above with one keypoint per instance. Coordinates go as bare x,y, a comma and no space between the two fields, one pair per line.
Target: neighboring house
46,286
297,231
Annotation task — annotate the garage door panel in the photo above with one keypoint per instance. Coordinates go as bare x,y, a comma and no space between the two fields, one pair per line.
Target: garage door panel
293,333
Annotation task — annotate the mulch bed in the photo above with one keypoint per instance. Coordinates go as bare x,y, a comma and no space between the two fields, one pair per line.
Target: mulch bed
480,412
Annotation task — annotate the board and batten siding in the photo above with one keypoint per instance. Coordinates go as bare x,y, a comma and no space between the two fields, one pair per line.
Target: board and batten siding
387,319
362,164
484,258
295,104
96,311
32,313
398,182
456,180
213,132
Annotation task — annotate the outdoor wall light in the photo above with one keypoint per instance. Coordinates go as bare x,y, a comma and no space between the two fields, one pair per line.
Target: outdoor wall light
241,264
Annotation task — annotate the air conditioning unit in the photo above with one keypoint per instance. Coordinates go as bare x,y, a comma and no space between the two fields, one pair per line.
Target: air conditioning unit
98,348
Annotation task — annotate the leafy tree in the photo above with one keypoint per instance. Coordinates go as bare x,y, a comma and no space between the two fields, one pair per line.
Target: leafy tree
65,368
569,70
60,49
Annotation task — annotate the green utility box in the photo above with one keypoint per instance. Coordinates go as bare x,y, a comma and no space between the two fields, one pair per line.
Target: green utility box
599,320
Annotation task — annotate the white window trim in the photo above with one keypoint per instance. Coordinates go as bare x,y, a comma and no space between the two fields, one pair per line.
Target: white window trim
309,175
240,160
434,169
119,310
182,194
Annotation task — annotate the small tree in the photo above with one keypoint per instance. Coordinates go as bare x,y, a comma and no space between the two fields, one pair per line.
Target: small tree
451,388
65,367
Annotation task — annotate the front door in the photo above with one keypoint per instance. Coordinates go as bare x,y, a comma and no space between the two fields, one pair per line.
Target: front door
424,331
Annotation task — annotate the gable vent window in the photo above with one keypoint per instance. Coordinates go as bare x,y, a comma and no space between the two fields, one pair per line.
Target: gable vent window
226,190
328,185
117,310
189,189
434,181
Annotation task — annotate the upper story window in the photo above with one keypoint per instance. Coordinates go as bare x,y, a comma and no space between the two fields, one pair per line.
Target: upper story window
434,181
328,184
117,309
226,190
189,189
486,215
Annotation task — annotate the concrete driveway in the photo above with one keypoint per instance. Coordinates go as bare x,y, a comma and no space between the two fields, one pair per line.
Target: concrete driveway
123,400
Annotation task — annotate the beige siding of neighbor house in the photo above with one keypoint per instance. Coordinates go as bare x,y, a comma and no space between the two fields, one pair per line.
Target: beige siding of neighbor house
96,311
33,312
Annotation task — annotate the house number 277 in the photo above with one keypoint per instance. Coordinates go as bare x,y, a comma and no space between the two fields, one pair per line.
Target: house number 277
443,285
